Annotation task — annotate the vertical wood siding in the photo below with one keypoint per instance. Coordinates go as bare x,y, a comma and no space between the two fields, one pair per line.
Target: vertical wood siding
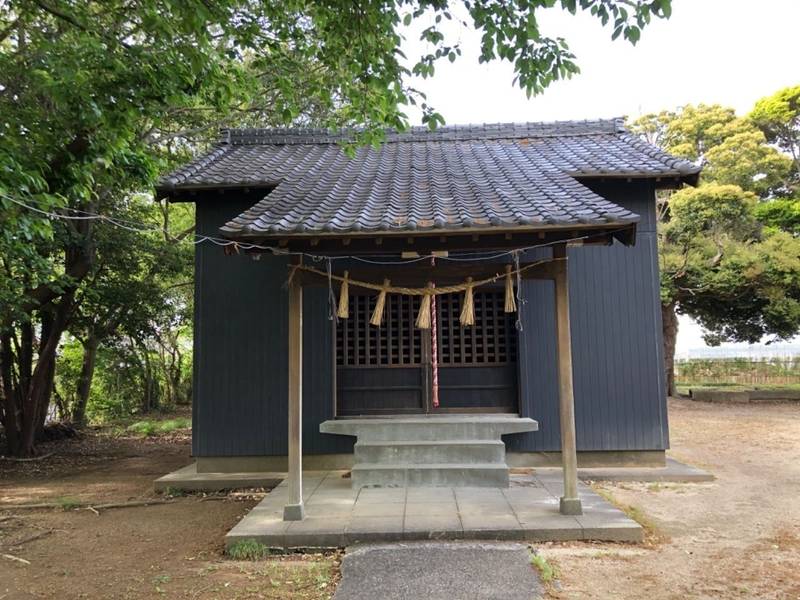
620,402
240,368
240,337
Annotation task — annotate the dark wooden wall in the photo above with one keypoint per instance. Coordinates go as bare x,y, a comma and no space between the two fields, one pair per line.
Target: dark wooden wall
620,400
240,359
240,368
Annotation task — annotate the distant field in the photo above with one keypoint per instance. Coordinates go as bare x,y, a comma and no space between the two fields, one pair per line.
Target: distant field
738,372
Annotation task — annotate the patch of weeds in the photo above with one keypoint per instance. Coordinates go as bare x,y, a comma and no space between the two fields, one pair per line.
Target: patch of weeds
160,580
652,534
146,428
171,425
68,503
547,572
655,487
149,427
248,550
174,492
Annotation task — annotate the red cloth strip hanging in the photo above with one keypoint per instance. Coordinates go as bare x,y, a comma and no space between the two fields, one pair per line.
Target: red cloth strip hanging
434,354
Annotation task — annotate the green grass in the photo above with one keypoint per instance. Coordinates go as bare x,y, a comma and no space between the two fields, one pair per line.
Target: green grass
634,512
68,503
248,550
547,572
683,388
735,387
151,427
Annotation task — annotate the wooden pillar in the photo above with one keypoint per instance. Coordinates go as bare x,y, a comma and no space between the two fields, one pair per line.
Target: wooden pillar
294,510
570,502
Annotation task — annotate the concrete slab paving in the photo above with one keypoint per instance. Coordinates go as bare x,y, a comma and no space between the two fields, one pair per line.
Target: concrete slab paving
438,571
528,510
673,472
188,479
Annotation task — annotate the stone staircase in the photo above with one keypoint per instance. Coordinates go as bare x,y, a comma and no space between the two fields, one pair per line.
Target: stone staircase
434,451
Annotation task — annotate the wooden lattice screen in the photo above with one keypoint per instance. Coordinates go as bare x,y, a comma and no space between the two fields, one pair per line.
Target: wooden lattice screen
396,342
492,340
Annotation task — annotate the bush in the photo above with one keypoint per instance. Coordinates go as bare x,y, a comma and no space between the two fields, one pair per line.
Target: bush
248,550
151,427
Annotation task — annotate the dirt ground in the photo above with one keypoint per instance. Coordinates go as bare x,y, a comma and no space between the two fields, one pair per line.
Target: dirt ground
169,550
738,537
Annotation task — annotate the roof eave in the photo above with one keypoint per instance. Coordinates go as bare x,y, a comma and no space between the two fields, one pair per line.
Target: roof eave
501,237
178,193
661,180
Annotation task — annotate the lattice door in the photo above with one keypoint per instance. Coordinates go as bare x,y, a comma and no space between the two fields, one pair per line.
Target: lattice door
396,342
387,369
491,341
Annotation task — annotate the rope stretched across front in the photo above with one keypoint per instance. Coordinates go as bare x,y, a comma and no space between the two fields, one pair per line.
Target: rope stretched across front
467,316
424,291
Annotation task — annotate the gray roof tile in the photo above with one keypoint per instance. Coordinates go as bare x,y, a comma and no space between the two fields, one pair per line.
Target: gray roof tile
504,175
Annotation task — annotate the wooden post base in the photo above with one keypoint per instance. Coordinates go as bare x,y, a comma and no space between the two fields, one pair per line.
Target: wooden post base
570,506
294,512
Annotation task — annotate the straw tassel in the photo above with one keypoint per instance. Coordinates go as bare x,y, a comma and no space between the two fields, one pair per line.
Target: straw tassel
377,314
424,314
344,299
468,310
511,304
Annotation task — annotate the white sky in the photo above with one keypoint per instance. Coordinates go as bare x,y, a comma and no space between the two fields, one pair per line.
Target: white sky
731,52
728,51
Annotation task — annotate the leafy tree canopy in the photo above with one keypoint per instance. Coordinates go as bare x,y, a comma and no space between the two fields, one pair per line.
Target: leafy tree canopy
98,97
729,249
778,116
732,149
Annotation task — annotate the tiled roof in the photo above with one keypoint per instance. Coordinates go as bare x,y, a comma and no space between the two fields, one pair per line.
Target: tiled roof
506,175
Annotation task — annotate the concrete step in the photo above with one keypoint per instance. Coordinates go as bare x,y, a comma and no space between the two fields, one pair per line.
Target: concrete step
460,427
430,475
425,452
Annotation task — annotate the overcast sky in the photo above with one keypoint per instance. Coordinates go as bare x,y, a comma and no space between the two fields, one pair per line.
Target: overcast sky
731,52
727,51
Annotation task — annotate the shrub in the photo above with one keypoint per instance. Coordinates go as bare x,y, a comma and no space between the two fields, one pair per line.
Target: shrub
547,571
248,550
150,427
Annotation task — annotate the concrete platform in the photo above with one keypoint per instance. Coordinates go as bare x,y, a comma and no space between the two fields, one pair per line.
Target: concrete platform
189,480
338,516
673,472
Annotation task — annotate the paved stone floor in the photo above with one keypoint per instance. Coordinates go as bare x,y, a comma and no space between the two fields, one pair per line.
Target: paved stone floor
338,516
438,571
187,478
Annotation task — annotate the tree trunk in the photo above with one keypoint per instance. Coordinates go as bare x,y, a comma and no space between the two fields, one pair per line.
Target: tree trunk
32,390
37,398
85,380
149,399
669,321
10,409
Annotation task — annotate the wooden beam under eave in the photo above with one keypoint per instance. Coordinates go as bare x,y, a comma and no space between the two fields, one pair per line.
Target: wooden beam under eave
424,244
417,274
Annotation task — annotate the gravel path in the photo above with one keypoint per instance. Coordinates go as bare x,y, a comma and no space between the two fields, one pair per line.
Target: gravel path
438,571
